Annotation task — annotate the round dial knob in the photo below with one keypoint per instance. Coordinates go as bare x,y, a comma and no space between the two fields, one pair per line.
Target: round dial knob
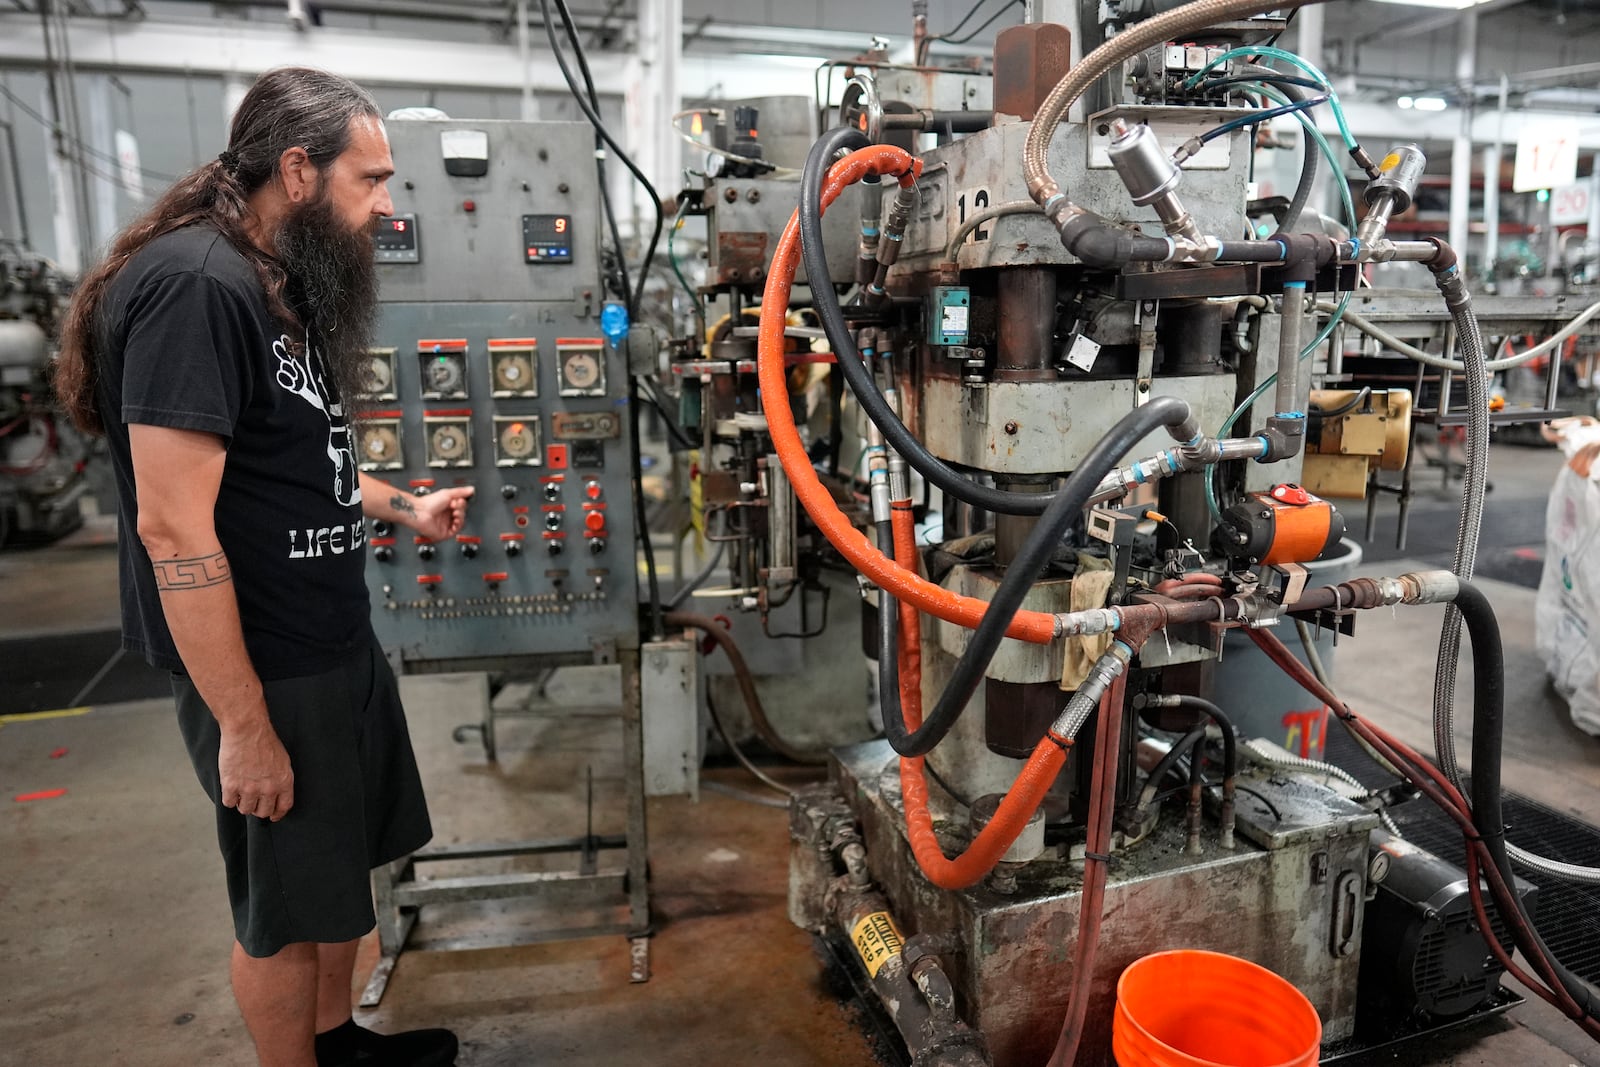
513,549
552,491
555,546
381,528
424,551
513,372
377,376
469,549
449,442
517,441
509,492
597,545
380,444
552,520
582,370
443,374
383,553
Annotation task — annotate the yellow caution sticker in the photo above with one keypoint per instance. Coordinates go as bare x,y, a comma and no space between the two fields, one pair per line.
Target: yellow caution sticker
877,940
1390,161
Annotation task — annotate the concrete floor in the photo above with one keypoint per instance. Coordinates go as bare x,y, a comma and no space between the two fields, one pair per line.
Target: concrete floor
114,930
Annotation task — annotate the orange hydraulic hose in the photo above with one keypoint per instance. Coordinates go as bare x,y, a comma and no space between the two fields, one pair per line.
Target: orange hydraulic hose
1037,627
1022,799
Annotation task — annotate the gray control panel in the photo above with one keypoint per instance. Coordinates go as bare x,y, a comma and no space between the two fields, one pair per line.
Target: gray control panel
489,369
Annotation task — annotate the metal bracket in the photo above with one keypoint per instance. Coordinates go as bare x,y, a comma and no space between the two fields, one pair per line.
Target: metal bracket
605,649
1145,377
1295,578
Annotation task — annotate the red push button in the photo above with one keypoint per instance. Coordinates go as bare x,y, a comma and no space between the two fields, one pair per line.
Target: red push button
595,521
592,490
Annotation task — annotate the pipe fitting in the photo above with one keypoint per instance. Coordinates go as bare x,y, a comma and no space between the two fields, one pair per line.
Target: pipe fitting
1087,622
1283,436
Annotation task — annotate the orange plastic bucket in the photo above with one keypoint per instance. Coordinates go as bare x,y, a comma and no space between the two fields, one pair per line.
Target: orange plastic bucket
1189,1008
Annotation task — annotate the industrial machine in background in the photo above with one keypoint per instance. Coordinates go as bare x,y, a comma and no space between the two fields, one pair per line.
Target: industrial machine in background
44,460
1081,419
499,364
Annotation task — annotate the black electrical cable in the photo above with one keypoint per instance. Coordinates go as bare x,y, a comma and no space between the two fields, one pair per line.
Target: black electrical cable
593,115
1066,508
674,431
848,359
1488,727
1348,406
600,173
652,579
947,39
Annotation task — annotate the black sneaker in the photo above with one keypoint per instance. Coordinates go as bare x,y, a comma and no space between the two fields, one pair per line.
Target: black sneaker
355,1046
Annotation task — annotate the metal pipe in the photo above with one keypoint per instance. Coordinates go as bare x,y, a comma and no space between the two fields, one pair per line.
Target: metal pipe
1290,327
1461,152
1491,185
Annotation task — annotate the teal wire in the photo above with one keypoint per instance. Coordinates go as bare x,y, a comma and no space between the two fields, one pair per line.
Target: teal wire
672,258
1290,58
1348,203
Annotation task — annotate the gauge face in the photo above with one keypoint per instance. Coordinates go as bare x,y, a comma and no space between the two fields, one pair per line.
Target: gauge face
513,373
377,375
449,444
517,441
380,446
444,375
582,372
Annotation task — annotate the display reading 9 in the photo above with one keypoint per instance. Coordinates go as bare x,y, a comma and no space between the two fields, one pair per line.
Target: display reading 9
396,239
547,238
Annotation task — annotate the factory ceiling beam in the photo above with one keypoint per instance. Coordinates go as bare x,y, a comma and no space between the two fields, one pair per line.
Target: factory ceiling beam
1429,23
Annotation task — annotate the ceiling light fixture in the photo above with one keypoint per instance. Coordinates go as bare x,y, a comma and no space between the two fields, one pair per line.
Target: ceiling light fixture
1449,5
1430,103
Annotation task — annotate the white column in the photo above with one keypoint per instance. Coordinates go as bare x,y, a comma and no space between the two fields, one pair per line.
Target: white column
1591,241
1461,155
103,143
234,86
654,97
63,197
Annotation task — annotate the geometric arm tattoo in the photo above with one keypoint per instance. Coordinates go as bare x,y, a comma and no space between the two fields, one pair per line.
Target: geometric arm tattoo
402,505
196,573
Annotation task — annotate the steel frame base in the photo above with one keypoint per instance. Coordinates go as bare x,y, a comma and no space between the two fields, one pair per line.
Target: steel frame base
398,894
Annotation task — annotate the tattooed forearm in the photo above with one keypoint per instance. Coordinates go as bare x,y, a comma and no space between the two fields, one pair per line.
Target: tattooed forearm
196,573
402,505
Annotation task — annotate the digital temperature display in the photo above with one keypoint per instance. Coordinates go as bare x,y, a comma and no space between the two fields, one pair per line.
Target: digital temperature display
396,239
547,238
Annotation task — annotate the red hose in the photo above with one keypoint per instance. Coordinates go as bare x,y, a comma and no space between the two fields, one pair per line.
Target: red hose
1091,905
1035,626
1021,800
1192,578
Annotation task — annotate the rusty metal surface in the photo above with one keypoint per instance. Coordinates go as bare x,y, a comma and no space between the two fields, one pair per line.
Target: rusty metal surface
1028,61
1014,963
746,216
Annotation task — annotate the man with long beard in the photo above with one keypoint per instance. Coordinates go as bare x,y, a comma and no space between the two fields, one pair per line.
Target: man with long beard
218,347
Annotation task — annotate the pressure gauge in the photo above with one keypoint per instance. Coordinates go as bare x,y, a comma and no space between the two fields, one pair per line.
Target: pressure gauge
516,441
449,442
380,445
582,368
377,375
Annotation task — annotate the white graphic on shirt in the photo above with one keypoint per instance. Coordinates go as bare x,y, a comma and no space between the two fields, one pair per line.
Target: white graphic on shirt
303,373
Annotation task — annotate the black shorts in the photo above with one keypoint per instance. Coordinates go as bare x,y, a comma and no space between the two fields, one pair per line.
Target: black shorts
357,804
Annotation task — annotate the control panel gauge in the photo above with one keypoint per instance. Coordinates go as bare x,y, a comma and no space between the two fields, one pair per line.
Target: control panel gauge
380,445
581,367
449,441
443,366
513,368
516,441
396,240
377,375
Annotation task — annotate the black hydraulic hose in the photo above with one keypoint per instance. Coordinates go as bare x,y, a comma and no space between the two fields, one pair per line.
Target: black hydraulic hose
1308,165
1347,407
1174,754
1488,729
848,360
1066,507
1230,740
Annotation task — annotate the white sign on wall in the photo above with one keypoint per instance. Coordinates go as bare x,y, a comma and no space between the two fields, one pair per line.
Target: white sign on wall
1547,156
1569,205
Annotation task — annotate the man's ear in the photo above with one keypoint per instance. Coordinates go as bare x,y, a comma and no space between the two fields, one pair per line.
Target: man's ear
298,174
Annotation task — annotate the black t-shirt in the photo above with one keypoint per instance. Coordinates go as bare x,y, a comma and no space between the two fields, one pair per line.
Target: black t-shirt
187,342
